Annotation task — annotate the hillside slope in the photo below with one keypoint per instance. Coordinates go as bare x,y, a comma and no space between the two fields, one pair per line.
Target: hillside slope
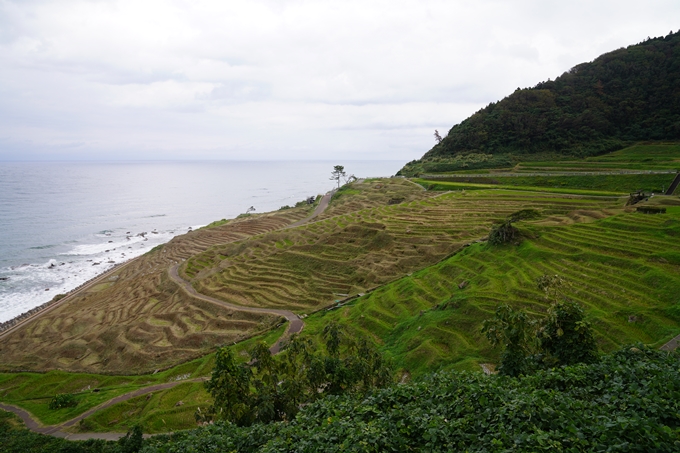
630,94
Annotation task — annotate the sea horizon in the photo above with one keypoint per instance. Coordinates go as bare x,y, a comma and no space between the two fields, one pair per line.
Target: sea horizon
63,223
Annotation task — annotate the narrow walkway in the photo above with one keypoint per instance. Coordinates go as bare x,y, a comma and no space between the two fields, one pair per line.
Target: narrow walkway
323,204
56,430
672,345
674,185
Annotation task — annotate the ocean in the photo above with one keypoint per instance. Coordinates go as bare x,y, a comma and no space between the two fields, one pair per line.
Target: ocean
62,223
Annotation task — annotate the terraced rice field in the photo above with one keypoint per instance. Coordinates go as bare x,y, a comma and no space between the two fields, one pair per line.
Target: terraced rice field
138,320
374,193
312,266
657,156
624,270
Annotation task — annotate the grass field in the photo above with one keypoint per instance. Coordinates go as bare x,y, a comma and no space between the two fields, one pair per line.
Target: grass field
652,156
623,268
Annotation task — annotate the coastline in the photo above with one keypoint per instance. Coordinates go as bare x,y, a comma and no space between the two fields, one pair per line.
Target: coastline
16,322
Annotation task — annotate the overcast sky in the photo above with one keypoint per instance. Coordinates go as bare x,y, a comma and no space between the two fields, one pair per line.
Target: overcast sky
251,79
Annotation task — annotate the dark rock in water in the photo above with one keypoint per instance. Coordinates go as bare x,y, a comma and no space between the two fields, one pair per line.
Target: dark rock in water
3,279
47,289
110,242
96,264
111,262
106,251
51,266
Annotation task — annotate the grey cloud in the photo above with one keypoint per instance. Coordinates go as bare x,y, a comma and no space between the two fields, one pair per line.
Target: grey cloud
224,79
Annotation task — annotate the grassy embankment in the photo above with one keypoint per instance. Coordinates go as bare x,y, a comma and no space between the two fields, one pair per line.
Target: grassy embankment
639,157
658,156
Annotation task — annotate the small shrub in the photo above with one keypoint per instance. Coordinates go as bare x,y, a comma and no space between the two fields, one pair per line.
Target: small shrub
524,214
502,233
651,210
63,400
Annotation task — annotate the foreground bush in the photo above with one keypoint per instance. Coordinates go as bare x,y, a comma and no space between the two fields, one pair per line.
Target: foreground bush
63,400
629,401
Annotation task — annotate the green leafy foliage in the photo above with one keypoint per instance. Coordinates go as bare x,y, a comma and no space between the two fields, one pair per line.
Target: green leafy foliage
628,401
502,233
62,400
567,336
564,337
132,442
229,385
272,388
513,330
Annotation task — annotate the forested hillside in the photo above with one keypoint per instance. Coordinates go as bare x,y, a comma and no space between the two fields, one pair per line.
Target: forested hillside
630,94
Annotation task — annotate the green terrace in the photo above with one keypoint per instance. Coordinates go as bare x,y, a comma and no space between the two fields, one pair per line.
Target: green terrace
624,270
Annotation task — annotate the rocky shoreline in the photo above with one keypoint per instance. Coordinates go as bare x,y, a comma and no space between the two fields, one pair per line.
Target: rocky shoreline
58,298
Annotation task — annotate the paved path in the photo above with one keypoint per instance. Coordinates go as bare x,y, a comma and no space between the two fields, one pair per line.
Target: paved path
323,204
671,345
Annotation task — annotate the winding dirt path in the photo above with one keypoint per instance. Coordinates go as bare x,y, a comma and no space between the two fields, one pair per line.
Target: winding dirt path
295,325
323,204
56,430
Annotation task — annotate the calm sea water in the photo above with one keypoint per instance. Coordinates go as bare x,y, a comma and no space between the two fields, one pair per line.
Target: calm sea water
58,219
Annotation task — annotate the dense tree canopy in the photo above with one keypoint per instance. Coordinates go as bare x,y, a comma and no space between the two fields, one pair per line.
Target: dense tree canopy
630,94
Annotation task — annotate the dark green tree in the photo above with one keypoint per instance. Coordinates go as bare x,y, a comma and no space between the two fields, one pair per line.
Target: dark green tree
338,173
132,441
566,335
514,331
624,96
229,386
272,388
